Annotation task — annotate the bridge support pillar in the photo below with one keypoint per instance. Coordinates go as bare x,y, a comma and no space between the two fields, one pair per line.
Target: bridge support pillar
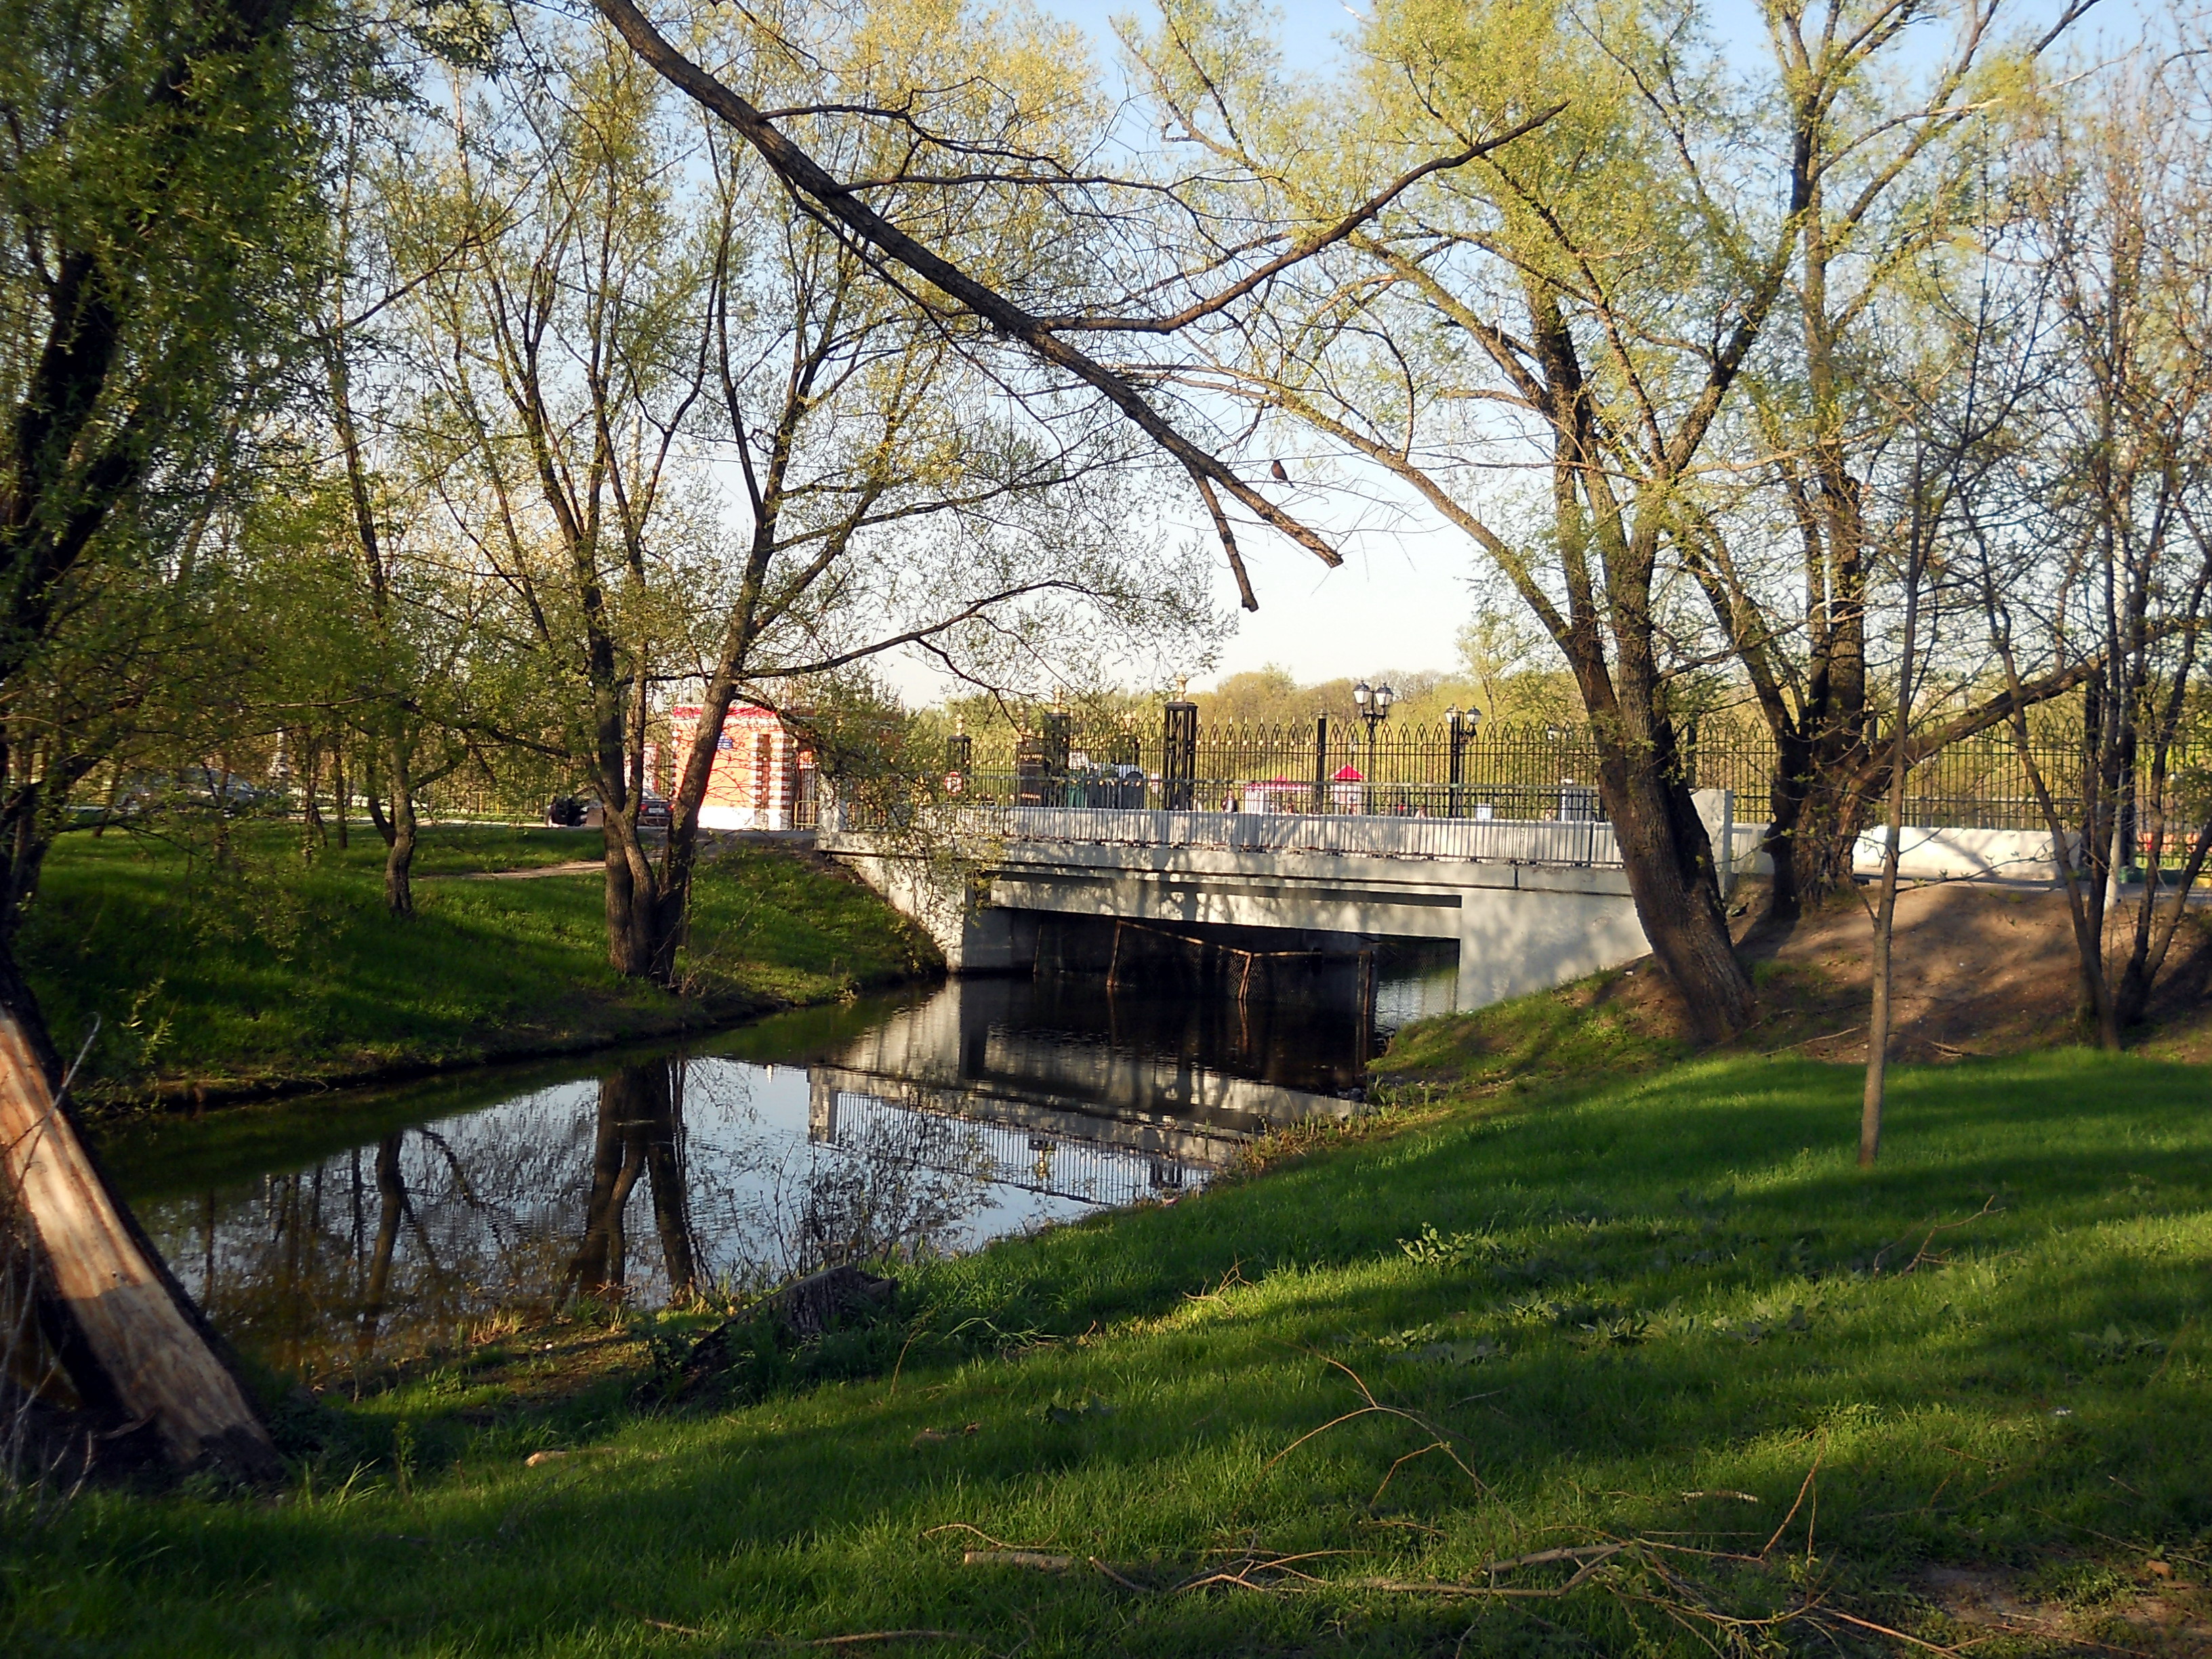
1514,941
950,900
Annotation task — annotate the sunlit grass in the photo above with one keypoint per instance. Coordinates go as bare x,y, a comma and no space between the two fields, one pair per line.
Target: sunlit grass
1625,1307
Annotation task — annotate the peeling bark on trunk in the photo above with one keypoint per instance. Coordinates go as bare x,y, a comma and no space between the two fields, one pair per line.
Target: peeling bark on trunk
131,1341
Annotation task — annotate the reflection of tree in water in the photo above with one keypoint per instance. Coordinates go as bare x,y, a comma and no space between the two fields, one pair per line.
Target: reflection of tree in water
641,1127
391,1206
400,1245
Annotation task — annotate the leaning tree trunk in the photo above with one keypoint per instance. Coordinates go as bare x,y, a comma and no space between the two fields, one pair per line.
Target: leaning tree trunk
679,858
130,1339
648,909
1665,852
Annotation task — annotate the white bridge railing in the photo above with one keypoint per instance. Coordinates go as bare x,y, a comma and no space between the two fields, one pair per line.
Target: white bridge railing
1577,843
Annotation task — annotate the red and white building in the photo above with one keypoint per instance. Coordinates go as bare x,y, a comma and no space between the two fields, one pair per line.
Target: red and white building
763,775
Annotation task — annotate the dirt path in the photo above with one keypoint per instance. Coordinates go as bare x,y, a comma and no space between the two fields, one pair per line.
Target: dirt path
574,867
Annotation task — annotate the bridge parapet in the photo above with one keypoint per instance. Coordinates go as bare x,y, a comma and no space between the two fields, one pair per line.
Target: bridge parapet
1576,844
1585,843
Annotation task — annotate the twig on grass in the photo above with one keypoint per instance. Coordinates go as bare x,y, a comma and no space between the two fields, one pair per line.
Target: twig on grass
1126,1583
2170,1348
962,1526
1411,1456
1810,1475
1255,1561
913,1336
1884,1629
1228,1281
1375,1408
1825,1036
1989,1208
1578,1552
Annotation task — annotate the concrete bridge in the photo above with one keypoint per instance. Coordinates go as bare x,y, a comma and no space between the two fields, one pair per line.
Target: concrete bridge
1529,904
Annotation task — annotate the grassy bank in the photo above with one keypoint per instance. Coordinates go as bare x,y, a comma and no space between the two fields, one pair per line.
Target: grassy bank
217,975
1662,1316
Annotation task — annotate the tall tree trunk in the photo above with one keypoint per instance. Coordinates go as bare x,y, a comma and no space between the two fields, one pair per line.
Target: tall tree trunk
634,900
1669,859
1820,806
372,799
399,840
107,804
313,834
1885,916
341,789
679,857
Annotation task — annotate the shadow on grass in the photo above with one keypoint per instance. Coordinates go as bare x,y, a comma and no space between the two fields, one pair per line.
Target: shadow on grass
1662,1306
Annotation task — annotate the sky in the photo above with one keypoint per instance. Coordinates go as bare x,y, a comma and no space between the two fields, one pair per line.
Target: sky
1403,592
1406,587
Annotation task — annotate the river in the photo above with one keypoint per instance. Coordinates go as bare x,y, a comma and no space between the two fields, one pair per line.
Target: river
359,1228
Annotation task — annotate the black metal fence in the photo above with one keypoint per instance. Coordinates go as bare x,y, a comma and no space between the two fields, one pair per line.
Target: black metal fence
1460,769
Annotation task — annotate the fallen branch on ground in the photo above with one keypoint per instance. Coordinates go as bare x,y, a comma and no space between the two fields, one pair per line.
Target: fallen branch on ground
858,1637
1989,1208
1037,1560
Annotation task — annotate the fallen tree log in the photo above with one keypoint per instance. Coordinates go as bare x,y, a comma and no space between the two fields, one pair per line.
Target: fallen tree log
131,1341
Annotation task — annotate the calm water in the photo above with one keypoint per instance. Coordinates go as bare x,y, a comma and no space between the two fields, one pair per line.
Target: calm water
360,1228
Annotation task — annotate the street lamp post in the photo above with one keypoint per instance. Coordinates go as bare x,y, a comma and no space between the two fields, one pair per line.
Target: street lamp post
1373,703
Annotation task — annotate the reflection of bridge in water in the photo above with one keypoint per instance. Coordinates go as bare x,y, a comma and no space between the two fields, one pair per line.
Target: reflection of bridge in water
967,1082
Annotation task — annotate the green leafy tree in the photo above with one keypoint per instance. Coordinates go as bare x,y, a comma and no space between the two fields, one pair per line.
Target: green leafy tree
163,192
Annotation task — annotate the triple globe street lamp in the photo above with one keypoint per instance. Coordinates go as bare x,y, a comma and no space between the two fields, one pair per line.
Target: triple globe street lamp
1372,703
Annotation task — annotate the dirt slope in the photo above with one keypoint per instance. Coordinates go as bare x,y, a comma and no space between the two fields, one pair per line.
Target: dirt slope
1978,970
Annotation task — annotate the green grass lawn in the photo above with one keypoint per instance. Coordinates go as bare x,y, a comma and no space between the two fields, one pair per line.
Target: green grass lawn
1664,1311
259,970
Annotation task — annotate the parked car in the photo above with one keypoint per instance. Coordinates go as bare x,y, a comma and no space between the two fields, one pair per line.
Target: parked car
196,788
653,812
573,812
